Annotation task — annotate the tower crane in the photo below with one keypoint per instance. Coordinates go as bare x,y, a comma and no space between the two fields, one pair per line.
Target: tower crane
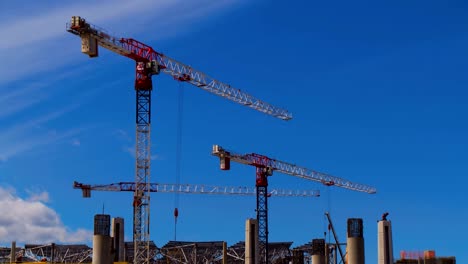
150,62
264,168
191,189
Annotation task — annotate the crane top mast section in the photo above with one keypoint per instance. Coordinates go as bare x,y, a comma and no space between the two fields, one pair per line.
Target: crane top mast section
261,161
154,62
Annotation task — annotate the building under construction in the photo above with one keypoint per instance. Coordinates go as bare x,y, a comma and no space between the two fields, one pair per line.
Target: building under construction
109,247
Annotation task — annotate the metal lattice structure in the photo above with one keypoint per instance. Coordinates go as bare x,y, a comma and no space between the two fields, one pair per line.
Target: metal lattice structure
262,161
141,200
56,253
262,216
155,255
148,63
5,254
191,189
279,252
265,167
236,253
157,61
193,252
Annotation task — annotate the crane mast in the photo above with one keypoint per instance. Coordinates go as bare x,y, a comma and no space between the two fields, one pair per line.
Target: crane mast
148,63
265,167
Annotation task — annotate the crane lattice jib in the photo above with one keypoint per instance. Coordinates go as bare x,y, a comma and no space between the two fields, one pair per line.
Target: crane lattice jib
140,52
195,189
291,169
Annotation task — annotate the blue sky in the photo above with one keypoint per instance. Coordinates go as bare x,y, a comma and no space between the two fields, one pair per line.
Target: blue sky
377,91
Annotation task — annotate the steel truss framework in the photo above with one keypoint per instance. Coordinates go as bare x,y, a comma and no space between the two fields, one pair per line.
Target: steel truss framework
138,51
191,189
262,220
5,254
262,161
236,253
177,252
193,252
52,253
279,252
141,202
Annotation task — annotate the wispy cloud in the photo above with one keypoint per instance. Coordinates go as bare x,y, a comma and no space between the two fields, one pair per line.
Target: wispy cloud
39,48
24,142
37,131
26,136
122,135
39,223
46,46
76,142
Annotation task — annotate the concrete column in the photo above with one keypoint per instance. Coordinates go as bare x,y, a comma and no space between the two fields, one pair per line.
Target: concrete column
224,252
251,241
13,252
118,239
355,242
102,241
384,242
318,251
102,249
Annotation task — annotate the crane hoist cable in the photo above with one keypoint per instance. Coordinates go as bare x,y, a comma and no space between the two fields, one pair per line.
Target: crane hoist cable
329,194
180,114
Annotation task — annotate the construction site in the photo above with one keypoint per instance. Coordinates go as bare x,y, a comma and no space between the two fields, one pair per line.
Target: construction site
109,244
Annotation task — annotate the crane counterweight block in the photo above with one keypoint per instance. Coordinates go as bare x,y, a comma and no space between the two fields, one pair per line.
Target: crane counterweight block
85,188
224,160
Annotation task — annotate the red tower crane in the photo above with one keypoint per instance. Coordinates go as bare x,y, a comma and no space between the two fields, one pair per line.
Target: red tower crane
148,63
264,168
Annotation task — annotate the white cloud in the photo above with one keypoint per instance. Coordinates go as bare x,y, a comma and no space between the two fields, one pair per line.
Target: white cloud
38,196
31,221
